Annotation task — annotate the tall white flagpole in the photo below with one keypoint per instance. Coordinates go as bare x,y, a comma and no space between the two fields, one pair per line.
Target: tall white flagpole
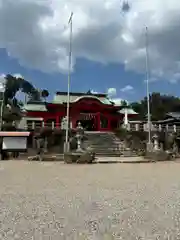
2,90
69,79
147,86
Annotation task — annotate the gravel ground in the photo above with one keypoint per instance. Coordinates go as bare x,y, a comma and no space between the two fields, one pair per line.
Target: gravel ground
115,201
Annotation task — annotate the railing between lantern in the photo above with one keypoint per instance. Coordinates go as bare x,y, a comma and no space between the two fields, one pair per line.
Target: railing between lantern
154,127
130,126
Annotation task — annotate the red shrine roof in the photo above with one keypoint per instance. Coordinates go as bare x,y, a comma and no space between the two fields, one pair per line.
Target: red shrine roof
60,100
61,97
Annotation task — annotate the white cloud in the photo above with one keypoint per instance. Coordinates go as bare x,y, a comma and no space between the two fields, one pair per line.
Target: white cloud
151,80
127,88
20,95
34,32
17,75
111,92
2,76
2,82
94,92
175,78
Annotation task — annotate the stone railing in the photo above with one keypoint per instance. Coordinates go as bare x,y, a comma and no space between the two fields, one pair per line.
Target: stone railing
154,127
40,124
129,126
35,125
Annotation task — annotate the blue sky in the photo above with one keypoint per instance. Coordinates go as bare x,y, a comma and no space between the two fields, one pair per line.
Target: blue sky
89,75
108,45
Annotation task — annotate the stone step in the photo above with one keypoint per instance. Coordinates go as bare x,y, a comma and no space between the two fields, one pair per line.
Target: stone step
103,144
107,154
105,148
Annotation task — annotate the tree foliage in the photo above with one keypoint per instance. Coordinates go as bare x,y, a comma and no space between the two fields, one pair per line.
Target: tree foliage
44,94
124,103
13,85
12,106
160,105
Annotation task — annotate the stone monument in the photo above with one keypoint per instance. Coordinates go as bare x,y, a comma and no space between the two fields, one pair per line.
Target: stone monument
157,154
80,155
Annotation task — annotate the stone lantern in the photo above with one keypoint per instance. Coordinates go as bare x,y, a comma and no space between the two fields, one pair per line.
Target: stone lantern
155,142
79,137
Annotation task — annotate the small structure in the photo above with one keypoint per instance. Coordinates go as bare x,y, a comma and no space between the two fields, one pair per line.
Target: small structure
172,118
14,141
127,112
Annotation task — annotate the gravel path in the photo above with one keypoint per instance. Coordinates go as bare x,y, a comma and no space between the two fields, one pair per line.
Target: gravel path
116,201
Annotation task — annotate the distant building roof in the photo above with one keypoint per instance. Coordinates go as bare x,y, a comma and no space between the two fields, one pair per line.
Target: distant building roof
35,106
80,94
168,120
175,115
130,111
172,117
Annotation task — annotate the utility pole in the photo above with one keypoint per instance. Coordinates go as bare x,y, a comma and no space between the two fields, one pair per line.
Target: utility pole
69,79
2,103
147,87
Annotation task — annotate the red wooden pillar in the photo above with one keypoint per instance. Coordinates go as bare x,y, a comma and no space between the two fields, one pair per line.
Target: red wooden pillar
74,118
57,121
44,120
98,121
73,122
109,123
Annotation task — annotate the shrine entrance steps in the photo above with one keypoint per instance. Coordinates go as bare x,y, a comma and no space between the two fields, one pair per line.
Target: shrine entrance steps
103,143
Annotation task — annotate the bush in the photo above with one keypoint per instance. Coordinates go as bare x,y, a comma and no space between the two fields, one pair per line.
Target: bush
55,137
8,127
124,134
121,133
135,140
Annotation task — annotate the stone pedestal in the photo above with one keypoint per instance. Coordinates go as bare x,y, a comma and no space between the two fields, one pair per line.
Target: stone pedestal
66,147
127,152
79,157
149,147
159,155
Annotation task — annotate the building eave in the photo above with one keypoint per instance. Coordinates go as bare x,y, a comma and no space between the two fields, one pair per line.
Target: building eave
80,94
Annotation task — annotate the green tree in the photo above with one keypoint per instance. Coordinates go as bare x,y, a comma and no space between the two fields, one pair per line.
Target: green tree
13,85
160,105
12,107
44,94
124,103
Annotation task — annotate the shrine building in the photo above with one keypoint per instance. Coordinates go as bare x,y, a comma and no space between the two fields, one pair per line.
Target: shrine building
96,112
